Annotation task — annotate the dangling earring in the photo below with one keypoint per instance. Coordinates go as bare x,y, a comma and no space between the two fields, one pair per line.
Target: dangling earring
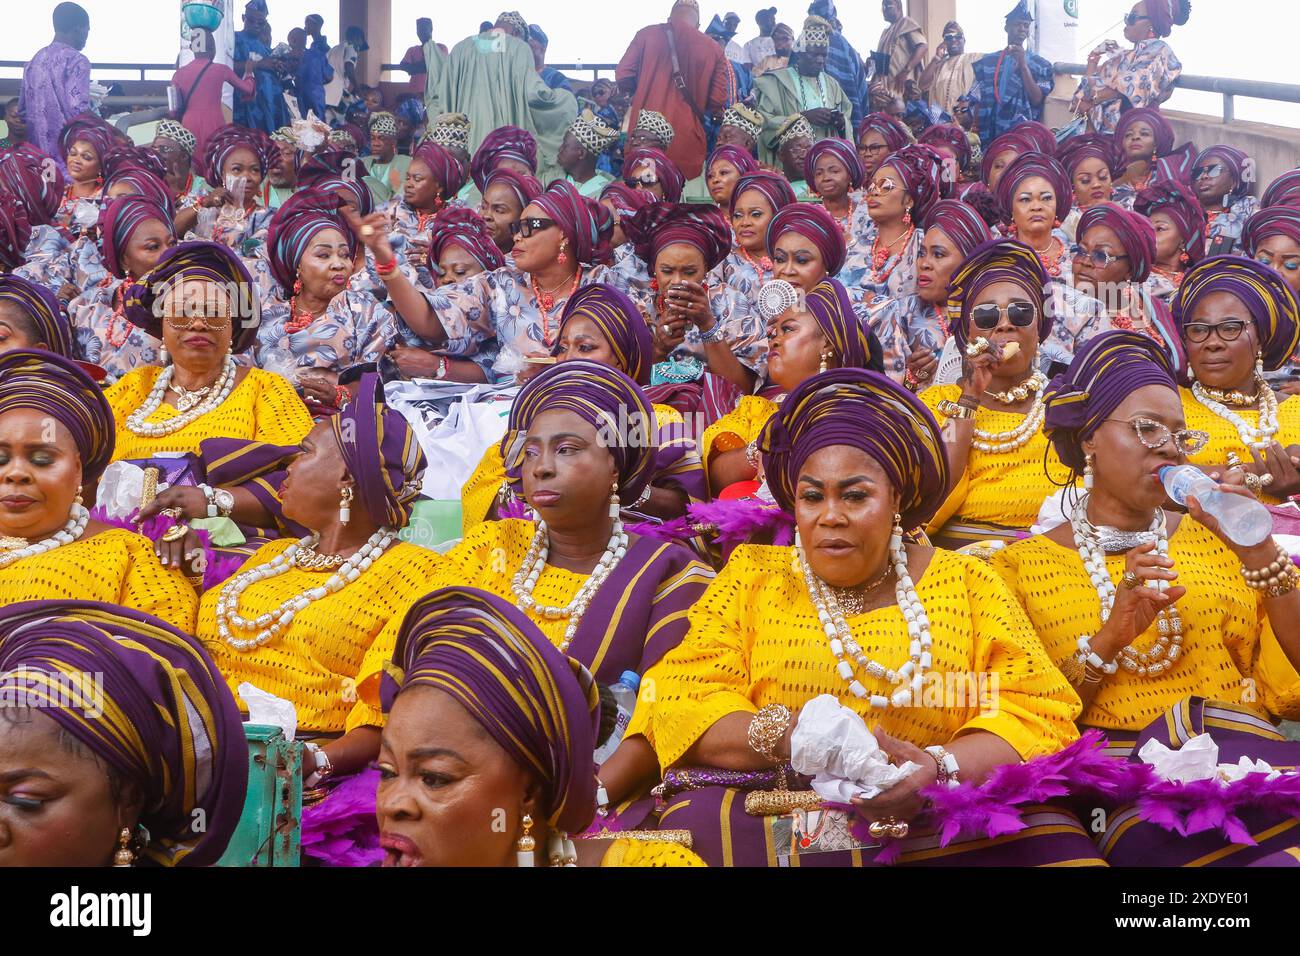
526,844
297,286
896,541
615,505
1259,365
163,357
345,505
826,357
654,285
124,857
907,218
562,258
1087,471
797,542
1056,223
1184,258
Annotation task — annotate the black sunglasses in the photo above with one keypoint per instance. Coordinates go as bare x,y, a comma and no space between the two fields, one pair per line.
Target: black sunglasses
526,227
645,179
1132,18
1020,313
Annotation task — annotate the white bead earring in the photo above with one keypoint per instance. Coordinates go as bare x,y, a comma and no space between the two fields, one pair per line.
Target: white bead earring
1087,472
1259,364
526,844
615,505
345,505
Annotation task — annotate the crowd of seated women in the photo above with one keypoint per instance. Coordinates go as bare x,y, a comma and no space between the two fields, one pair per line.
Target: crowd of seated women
761,452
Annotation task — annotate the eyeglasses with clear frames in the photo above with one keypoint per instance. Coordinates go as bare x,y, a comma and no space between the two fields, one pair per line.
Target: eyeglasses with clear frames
1155,435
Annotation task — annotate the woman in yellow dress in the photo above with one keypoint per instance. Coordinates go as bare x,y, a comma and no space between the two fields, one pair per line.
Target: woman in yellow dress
217,431
998,309
479,699
1239,319
612,599
601,324
1167,629
56,438
855,611
824,332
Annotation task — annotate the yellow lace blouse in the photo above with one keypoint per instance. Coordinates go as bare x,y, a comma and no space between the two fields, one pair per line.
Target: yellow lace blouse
1229,651
316,662
737,428
1223,436
478,493
1001,489
755,640
263,407
114,566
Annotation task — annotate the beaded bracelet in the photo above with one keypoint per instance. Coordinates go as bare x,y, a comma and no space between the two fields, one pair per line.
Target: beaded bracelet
1276,579
386,269
713,335
751,455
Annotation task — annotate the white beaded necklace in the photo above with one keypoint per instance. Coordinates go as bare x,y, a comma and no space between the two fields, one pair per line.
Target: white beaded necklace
997,443
270,624
219,392
831,617
78,518
1169,644
1257,437
525,579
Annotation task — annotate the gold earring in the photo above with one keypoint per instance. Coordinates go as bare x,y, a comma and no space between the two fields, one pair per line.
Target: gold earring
345,505
615,503
826,358
526,844
124,857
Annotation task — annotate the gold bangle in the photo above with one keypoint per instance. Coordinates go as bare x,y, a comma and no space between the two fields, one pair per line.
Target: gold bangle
766,728
1072,668
952,410
777,803
680,837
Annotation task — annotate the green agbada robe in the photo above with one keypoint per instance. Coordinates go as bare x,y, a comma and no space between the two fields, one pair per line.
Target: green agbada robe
778,98
492,79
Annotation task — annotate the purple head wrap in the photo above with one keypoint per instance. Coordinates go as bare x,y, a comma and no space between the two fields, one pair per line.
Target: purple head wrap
1176,166
854,346
605,398
1106,370
742,159
816,225
203,262
952,136
91,130
1173,198
141,157
1270,221
118,221
865,410
381,454
540,707
224,141
1012,142
1101,146
504,142
669,173
15,231
1038,136
1160,128
1239,164
526,188
56,386
620,322
587,224
35,179
1283,191
1263,293
1135,233
43,310
895,134
961,223
1027,165
167,723
1166,14
144,184
443,165
663,224
353,192
457,226
771,186
842,150
921,170
1002,260
304,215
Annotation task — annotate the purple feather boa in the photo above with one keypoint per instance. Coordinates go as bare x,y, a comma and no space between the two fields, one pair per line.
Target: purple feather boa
1202,805
219,566
742,520
342,829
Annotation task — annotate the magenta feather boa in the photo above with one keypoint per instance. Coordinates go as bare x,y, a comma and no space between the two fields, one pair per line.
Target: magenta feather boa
743,520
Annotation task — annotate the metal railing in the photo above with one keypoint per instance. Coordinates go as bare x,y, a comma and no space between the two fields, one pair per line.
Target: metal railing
595,69
1225,87
140,68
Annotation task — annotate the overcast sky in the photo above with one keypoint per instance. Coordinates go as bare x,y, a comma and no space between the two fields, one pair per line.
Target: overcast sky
1224,38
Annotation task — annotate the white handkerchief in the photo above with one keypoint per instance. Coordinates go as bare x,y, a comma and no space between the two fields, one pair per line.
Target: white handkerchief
832,744
1198,759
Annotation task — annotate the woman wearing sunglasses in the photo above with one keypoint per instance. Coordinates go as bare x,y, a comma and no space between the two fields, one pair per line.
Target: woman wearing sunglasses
1179,223
1239,320
1223,178
993,436
561,244
1142,76
650,169
1112,260
505,194
1165,627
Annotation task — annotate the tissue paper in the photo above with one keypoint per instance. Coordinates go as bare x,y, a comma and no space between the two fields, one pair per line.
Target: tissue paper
832,744
264,708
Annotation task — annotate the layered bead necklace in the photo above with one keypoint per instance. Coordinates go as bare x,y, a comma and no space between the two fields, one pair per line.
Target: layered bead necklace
847,651
546,301
763,264
1161,656
13,550
272,623
997,443
117,302
1258,436
880,257
213,396
525,579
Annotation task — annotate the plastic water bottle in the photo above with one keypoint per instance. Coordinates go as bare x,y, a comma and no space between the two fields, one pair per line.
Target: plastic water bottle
624,691
1243,520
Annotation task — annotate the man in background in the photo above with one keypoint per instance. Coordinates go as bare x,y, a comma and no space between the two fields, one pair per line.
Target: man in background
413,59
538,42
56,81
1011,85
761,47
843,62
950,74
901,52
343,61
647,69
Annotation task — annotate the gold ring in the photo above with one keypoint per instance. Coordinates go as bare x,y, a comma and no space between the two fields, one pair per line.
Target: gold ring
1234,460
367,232
175,532
1254,483
899,830
1131,580
1265,480
978,347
